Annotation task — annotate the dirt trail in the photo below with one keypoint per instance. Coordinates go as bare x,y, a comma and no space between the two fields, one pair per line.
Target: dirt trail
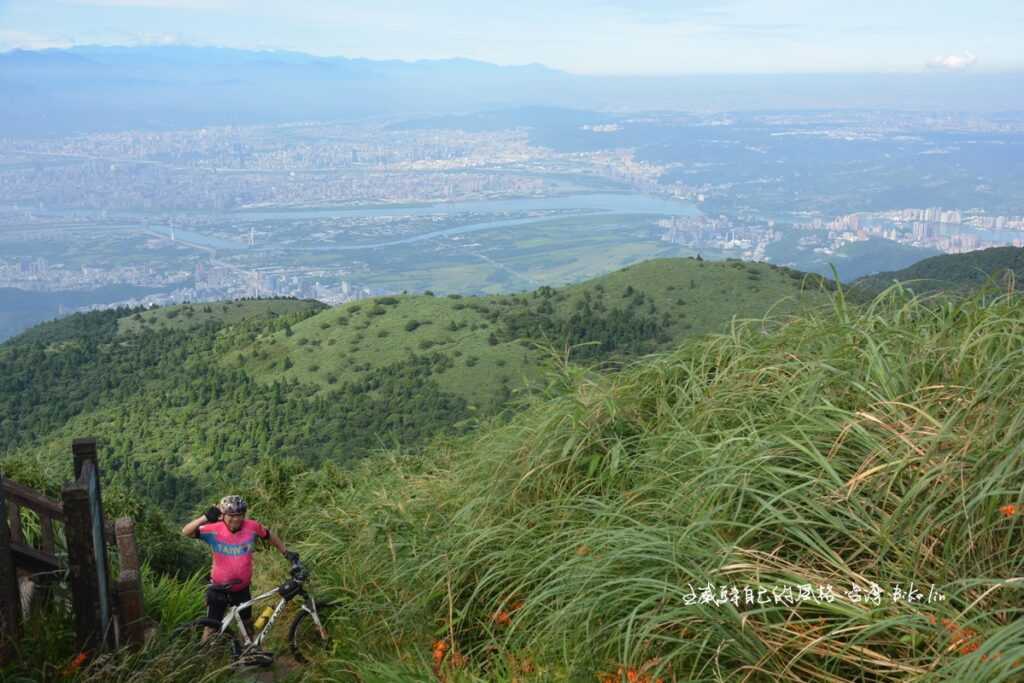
284,669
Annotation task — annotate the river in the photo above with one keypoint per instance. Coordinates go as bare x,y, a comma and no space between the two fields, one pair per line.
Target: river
604,204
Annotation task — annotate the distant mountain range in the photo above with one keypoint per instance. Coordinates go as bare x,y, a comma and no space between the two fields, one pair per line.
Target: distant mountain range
93,88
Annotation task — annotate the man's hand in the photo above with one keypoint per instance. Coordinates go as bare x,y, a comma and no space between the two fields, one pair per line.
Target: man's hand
191,530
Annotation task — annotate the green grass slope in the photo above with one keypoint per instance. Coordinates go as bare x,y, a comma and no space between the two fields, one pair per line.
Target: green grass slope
188,316
618,524
818,499
952,272
496,343
181,396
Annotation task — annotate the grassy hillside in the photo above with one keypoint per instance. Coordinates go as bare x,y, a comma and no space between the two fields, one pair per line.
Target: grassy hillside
953,272
189,316
831,498
184,399
845,450
499,341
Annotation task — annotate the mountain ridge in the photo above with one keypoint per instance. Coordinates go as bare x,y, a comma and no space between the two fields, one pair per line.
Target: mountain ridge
297,380
103,89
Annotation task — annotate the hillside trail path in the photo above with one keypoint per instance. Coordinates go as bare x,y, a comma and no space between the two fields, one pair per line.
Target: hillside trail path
283,669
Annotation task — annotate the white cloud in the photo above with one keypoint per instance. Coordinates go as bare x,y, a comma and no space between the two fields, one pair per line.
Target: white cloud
953,62
21,40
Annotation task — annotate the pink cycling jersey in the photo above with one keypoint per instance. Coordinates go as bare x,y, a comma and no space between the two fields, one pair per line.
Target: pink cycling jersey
232,552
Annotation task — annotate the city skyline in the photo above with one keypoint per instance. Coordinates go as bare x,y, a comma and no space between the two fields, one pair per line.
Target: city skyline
598,38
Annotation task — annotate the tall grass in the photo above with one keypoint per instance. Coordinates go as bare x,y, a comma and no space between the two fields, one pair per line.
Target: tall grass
854,445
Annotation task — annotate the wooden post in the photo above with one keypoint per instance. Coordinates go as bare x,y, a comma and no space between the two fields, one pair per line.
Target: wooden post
129,584
87,549
14,520
10,596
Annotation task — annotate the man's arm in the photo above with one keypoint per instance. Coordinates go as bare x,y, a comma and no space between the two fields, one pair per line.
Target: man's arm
211,515
275,541
193,526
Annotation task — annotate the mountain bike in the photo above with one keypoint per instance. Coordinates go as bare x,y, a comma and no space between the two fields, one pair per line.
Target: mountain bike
307,634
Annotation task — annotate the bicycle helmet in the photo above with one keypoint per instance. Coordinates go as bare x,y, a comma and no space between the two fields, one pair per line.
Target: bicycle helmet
233,505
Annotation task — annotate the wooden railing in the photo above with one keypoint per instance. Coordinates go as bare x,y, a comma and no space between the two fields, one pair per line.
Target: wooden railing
42,558
102,616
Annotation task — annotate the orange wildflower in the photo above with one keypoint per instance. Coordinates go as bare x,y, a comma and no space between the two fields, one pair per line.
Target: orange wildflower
630,675
963,640
1008,510
440,649
501,618
75,664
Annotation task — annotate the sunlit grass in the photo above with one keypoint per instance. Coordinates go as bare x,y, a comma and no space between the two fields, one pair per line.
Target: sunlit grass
875,444
852,446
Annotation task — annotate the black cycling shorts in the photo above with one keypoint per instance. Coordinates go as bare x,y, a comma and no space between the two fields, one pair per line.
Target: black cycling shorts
217,602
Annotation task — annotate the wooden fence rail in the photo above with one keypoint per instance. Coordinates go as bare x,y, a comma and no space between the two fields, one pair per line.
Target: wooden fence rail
43,558
10,597
105,612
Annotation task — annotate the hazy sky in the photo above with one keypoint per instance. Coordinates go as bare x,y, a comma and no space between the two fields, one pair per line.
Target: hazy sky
600,37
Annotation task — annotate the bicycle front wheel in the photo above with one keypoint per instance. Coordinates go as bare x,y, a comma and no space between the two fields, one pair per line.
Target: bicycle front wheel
306,639
218,650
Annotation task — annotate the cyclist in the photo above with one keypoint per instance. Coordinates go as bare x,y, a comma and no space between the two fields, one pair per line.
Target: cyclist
232,539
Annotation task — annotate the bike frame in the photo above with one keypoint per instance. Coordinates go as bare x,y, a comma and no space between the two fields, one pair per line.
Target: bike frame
234,613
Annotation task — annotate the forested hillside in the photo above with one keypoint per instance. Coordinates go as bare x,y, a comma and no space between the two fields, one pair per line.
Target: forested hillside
186,398
953,272
833,496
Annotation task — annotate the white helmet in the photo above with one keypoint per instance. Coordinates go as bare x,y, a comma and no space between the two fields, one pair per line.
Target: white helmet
233,505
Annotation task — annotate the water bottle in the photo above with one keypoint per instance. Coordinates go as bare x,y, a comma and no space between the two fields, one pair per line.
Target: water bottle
264,615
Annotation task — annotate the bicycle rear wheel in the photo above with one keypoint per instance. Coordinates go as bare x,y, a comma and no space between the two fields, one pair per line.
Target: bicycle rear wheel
219,650
306,639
